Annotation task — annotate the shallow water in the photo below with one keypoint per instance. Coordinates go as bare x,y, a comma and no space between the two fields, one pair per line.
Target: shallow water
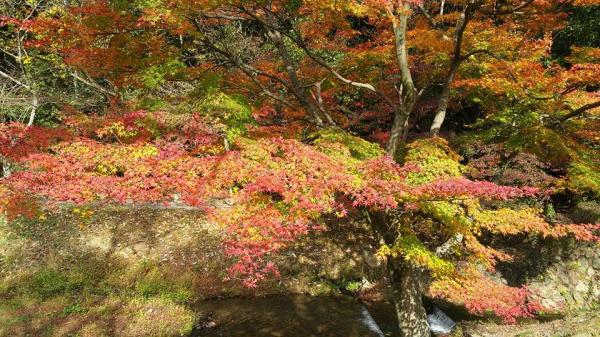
294,316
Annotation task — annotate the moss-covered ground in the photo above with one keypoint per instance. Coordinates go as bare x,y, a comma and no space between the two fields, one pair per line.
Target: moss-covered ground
128,271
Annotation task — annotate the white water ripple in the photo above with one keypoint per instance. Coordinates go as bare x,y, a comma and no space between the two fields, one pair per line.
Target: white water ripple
370,323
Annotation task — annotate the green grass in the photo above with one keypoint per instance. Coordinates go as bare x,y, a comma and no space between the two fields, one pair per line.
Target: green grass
48,283
86,298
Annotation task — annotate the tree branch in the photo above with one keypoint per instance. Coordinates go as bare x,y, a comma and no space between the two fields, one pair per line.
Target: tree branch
93,84
21,84
461,25
507,11
579,111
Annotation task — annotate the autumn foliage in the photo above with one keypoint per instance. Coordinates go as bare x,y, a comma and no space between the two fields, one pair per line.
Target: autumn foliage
277,190
276,119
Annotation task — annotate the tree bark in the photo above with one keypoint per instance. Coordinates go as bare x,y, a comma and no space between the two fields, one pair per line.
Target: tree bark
440,113
403,282
297,88
461,25
407,299
397,132
6,171
407,93
34,107
579,111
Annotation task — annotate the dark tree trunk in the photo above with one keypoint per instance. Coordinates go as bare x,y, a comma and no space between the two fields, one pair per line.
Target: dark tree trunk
405,289
407,300
297,87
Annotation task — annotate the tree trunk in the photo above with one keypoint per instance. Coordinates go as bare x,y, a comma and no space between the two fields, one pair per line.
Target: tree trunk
407,300
440,113
298,89
461,25
5,168
407,92
34,107
403,282
397,132
405,129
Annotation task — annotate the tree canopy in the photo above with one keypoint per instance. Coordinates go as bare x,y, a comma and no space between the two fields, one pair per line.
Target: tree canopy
277,117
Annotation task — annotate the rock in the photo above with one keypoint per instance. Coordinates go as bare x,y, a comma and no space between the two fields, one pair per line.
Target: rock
371,260
596,263
439,322
582,287
583,262
547,303
579,298
590,272
563,277
210,324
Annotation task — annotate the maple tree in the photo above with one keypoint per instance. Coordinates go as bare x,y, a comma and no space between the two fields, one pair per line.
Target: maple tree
277,107
280,189
323,44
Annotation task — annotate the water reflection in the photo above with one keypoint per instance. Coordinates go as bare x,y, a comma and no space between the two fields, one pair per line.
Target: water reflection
293,316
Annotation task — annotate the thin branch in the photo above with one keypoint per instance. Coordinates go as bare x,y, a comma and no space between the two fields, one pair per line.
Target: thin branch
317,96
299,41
34,107
7,76
507,11
235,60
579,111
93,84
428,16
264,89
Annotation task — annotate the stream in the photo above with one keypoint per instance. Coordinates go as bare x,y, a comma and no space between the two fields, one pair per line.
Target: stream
294,316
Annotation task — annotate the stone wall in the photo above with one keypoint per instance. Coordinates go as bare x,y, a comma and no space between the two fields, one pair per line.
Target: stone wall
572,280
182,244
